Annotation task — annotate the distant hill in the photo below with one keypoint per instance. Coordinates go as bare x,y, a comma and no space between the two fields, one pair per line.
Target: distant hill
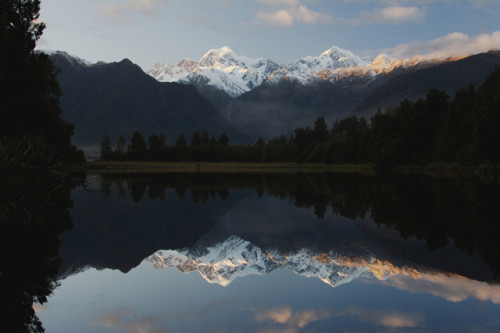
119,98
278,108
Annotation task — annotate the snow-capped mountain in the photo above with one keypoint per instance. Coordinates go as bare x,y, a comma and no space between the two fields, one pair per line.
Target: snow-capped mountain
224,262
221,68
309,69
235,74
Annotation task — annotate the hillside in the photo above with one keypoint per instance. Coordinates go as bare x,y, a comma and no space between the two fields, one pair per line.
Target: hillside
119,98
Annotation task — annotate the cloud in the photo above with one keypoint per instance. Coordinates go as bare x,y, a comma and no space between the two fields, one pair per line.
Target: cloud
281,18
279,2
293,320
452,288
115,14
126,12
286,316
278,315
125,320
392,15
387,318
452,45
295,12
287,17
388,15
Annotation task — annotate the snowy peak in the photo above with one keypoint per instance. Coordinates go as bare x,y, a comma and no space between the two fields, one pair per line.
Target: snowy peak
221,68
224,69
220,58
382,60
340,58
186,63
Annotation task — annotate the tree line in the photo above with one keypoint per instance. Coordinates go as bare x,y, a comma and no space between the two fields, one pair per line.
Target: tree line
437,128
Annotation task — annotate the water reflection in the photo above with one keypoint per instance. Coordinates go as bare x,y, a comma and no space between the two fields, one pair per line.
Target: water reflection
269,244
32,216
427,221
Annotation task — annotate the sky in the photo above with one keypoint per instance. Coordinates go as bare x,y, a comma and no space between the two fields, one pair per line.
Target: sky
166,31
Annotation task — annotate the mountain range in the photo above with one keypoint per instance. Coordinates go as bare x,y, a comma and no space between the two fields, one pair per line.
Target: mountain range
225,70
247,98
235,257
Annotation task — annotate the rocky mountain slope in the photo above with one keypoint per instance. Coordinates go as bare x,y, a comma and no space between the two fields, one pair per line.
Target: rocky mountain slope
119,98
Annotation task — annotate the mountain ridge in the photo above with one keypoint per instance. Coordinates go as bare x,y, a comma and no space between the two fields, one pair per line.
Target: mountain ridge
119,98
235,74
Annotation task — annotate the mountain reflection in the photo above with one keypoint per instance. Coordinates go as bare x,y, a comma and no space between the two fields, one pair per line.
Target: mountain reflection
447,215
224,262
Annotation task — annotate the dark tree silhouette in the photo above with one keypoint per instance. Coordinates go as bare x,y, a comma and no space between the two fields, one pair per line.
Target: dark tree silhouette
30,91
106,150
137,150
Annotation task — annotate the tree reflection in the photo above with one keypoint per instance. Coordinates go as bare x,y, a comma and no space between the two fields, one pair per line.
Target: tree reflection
436,210
31,220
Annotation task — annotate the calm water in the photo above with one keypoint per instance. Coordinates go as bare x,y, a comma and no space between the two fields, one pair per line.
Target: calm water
276,253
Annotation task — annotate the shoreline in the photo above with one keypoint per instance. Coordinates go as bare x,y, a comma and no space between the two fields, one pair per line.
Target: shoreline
483,172
138,167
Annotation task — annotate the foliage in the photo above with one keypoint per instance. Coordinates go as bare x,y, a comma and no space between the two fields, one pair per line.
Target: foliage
30,91
137,150
27,159
33,213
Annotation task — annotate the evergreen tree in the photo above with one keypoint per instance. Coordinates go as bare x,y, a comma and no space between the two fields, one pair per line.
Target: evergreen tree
137,150
181,141
121,148
30,91
106,150
195,139
157,148
320,128
223,140
488,117
205,138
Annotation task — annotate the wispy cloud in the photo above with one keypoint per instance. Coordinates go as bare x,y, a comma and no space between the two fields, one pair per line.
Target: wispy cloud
451,288
280,2
125,320
286,13
391,15
293,320
116,14
452,45
127,12
287,17
387,318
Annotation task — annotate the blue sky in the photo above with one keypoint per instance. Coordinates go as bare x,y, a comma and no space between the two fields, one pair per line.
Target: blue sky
151,31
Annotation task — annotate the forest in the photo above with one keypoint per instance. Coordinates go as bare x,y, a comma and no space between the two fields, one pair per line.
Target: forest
436,129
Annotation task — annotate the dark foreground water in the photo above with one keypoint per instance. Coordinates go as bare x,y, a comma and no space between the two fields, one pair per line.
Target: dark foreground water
270,253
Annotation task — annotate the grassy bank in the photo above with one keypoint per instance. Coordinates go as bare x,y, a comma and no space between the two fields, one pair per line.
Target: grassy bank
137,167
483,172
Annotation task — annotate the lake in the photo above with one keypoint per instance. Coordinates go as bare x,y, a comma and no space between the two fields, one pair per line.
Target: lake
261,252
